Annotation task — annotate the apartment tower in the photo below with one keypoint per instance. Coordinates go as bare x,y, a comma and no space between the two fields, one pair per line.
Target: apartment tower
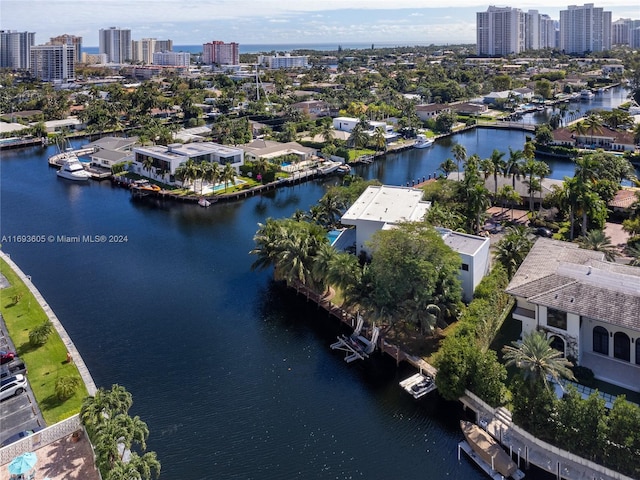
220,53
500,31
585,29
14,49
116,44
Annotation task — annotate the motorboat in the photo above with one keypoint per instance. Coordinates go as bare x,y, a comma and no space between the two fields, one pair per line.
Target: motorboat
489,451
145,185
344,169
203,202
586,94
328,167
72,169
422,141
418,385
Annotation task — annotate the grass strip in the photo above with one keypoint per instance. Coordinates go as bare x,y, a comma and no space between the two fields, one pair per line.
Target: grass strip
45,363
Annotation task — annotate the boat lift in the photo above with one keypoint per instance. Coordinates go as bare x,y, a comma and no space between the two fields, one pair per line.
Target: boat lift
357,346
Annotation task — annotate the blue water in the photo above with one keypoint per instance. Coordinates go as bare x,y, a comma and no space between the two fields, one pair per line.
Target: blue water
233,374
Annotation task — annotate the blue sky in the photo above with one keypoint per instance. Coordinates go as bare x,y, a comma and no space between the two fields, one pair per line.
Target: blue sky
269,21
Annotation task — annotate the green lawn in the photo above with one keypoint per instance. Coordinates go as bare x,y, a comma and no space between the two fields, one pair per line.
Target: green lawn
46,363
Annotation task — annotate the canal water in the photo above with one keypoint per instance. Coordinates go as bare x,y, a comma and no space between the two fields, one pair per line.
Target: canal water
232,373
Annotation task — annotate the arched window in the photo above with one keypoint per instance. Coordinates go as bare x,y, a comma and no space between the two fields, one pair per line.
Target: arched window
621,346
557,343
601,340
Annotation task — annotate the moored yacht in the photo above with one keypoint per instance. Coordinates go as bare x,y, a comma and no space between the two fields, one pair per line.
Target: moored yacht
72,169
422,141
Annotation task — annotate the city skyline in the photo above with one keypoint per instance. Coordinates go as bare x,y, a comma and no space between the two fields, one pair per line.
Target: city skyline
270,22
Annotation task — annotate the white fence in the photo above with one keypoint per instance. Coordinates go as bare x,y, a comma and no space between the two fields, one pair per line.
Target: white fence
40,439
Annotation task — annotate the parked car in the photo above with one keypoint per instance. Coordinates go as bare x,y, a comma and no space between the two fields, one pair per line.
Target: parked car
13,386
12,368
543,232
6,357
15,437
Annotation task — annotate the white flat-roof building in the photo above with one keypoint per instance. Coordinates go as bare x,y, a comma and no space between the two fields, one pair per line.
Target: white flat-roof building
166,159
381,207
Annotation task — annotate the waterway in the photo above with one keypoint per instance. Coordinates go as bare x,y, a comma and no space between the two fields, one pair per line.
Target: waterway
233,374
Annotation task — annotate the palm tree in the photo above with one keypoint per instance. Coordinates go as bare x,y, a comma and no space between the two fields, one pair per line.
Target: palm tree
330,209
460,154
579,129
358,137
327,132
138,467
634,253
600,242
228,175
537,360
103,405
513,166
593,123
497,165
447,167
513,248
379,139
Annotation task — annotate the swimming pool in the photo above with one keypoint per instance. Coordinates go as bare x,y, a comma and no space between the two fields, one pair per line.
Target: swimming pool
333,236
219,187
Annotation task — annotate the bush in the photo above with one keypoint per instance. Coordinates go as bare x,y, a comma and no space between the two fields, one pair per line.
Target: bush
38,335
584,376
67,386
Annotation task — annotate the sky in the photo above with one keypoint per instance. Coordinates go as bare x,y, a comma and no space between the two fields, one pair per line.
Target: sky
269,22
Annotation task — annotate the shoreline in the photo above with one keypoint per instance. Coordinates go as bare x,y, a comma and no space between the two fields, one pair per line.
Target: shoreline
66,339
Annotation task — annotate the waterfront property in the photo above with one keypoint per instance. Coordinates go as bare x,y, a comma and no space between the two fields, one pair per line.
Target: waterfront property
600,137
271,150
382,207
166,159
588,308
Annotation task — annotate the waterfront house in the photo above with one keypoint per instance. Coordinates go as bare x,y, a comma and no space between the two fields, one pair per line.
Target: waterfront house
601,137
587,306
431,110
346,124
271,150
109,151
383,207
166,159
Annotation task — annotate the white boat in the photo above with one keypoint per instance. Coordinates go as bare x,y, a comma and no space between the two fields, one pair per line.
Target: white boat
586,94
418,385
203,202
422,141
72,169
328,167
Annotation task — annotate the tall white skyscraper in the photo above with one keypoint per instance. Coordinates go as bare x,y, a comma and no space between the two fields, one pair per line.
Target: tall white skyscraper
14,49
51,63
500,31
585,29
116,44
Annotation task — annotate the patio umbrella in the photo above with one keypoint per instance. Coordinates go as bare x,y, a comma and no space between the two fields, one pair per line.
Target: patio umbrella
22,463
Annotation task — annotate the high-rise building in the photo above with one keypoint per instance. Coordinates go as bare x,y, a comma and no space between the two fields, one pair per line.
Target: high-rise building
164,46
621,31
221,53
547,32
500,31
14,49
52,63
284,61
143,50
175,59
116,43
585,29
67,39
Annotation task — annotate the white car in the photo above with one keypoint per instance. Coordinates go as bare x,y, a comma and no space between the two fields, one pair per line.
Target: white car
13,386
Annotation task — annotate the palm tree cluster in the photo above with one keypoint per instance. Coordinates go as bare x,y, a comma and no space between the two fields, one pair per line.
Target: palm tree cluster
114,434
191,173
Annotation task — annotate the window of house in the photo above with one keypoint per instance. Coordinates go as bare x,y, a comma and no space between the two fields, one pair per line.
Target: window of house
558,344
465,267
638,351
601,340
556,318
622,346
